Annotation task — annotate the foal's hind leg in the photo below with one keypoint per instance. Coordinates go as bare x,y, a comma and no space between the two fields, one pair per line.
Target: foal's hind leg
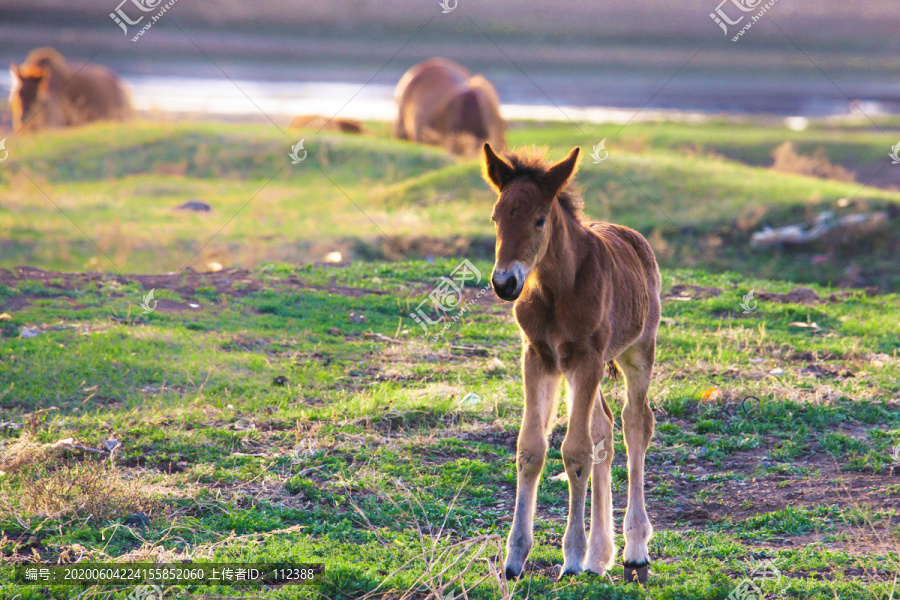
637,424
540,399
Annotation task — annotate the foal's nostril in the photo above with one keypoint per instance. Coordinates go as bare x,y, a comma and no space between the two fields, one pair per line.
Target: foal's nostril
512,284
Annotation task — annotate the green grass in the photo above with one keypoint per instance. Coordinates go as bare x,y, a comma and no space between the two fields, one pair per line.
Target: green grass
284,411
95,199
269,415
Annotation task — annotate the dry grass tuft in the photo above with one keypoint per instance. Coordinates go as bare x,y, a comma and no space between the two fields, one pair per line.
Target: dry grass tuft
445,560
788,160
46,483
25,452
83,489
878,533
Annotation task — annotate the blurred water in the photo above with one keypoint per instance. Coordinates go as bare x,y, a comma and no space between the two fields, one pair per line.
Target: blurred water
194,96
350,100
238,97
255,97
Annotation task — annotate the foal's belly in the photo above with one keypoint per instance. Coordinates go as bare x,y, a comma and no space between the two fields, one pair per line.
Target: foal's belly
566,340
565,353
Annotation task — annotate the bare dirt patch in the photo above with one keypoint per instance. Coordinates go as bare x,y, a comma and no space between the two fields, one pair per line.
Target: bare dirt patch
233,282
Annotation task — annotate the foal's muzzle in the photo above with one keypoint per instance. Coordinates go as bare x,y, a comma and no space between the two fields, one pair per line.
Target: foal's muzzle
508,283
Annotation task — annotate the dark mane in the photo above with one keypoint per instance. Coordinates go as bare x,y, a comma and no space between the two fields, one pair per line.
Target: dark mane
533,165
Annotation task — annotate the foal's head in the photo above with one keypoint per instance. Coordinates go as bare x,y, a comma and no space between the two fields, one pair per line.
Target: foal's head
528,190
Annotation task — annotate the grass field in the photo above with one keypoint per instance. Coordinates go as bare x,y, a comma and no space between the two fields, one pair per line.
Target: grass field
277,410
99,200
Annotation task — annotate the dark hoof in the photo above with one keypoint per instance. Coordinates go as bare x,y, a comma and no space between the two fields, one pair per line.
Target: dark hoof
512,573
636,573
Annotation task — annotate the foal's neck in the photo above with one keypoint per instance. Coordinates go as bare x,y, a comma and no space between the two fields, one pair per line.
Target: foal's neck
555,272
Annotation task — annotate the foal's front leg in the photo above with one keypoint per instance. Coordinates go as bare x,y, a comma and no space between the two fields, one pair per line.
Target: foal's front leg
540,399
577,453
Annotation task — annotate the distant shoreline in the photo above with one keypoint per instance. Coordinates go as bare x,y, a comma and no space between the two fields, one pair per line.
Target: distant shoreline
231,99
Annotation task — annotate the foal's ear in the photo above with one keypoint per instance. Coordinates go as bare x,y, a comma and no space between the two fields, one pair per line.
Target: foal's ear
495,170
559,174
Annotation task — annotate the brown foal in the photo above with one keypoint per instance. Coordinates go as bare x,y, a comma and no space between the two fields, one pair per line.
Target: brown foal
586,293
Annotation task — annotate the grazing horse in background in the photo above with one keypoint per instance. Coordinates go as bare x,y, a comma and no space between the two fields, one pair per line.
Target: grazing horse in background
49,92
441,104
586,294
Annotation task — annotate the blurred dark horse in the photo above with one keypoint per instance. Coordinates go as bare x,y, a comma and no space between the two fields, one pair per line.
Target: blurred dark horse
49,92
442,104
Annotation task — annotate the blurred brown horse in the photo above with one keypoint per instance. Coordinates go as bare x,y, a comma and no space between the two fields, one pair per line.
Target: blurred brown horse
49,92
442,104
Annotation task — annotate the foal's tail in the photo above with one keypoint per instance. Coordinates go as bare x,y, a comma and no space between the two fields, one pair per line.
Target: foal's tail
613,371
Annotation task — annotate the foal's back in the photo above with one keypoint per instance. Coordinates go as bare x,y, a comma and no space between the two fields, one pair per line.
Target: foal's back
634,277
626,245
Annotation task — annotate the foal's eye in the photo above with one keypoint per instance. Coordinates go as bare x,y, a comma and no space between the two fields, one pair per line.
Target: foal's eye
540,222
